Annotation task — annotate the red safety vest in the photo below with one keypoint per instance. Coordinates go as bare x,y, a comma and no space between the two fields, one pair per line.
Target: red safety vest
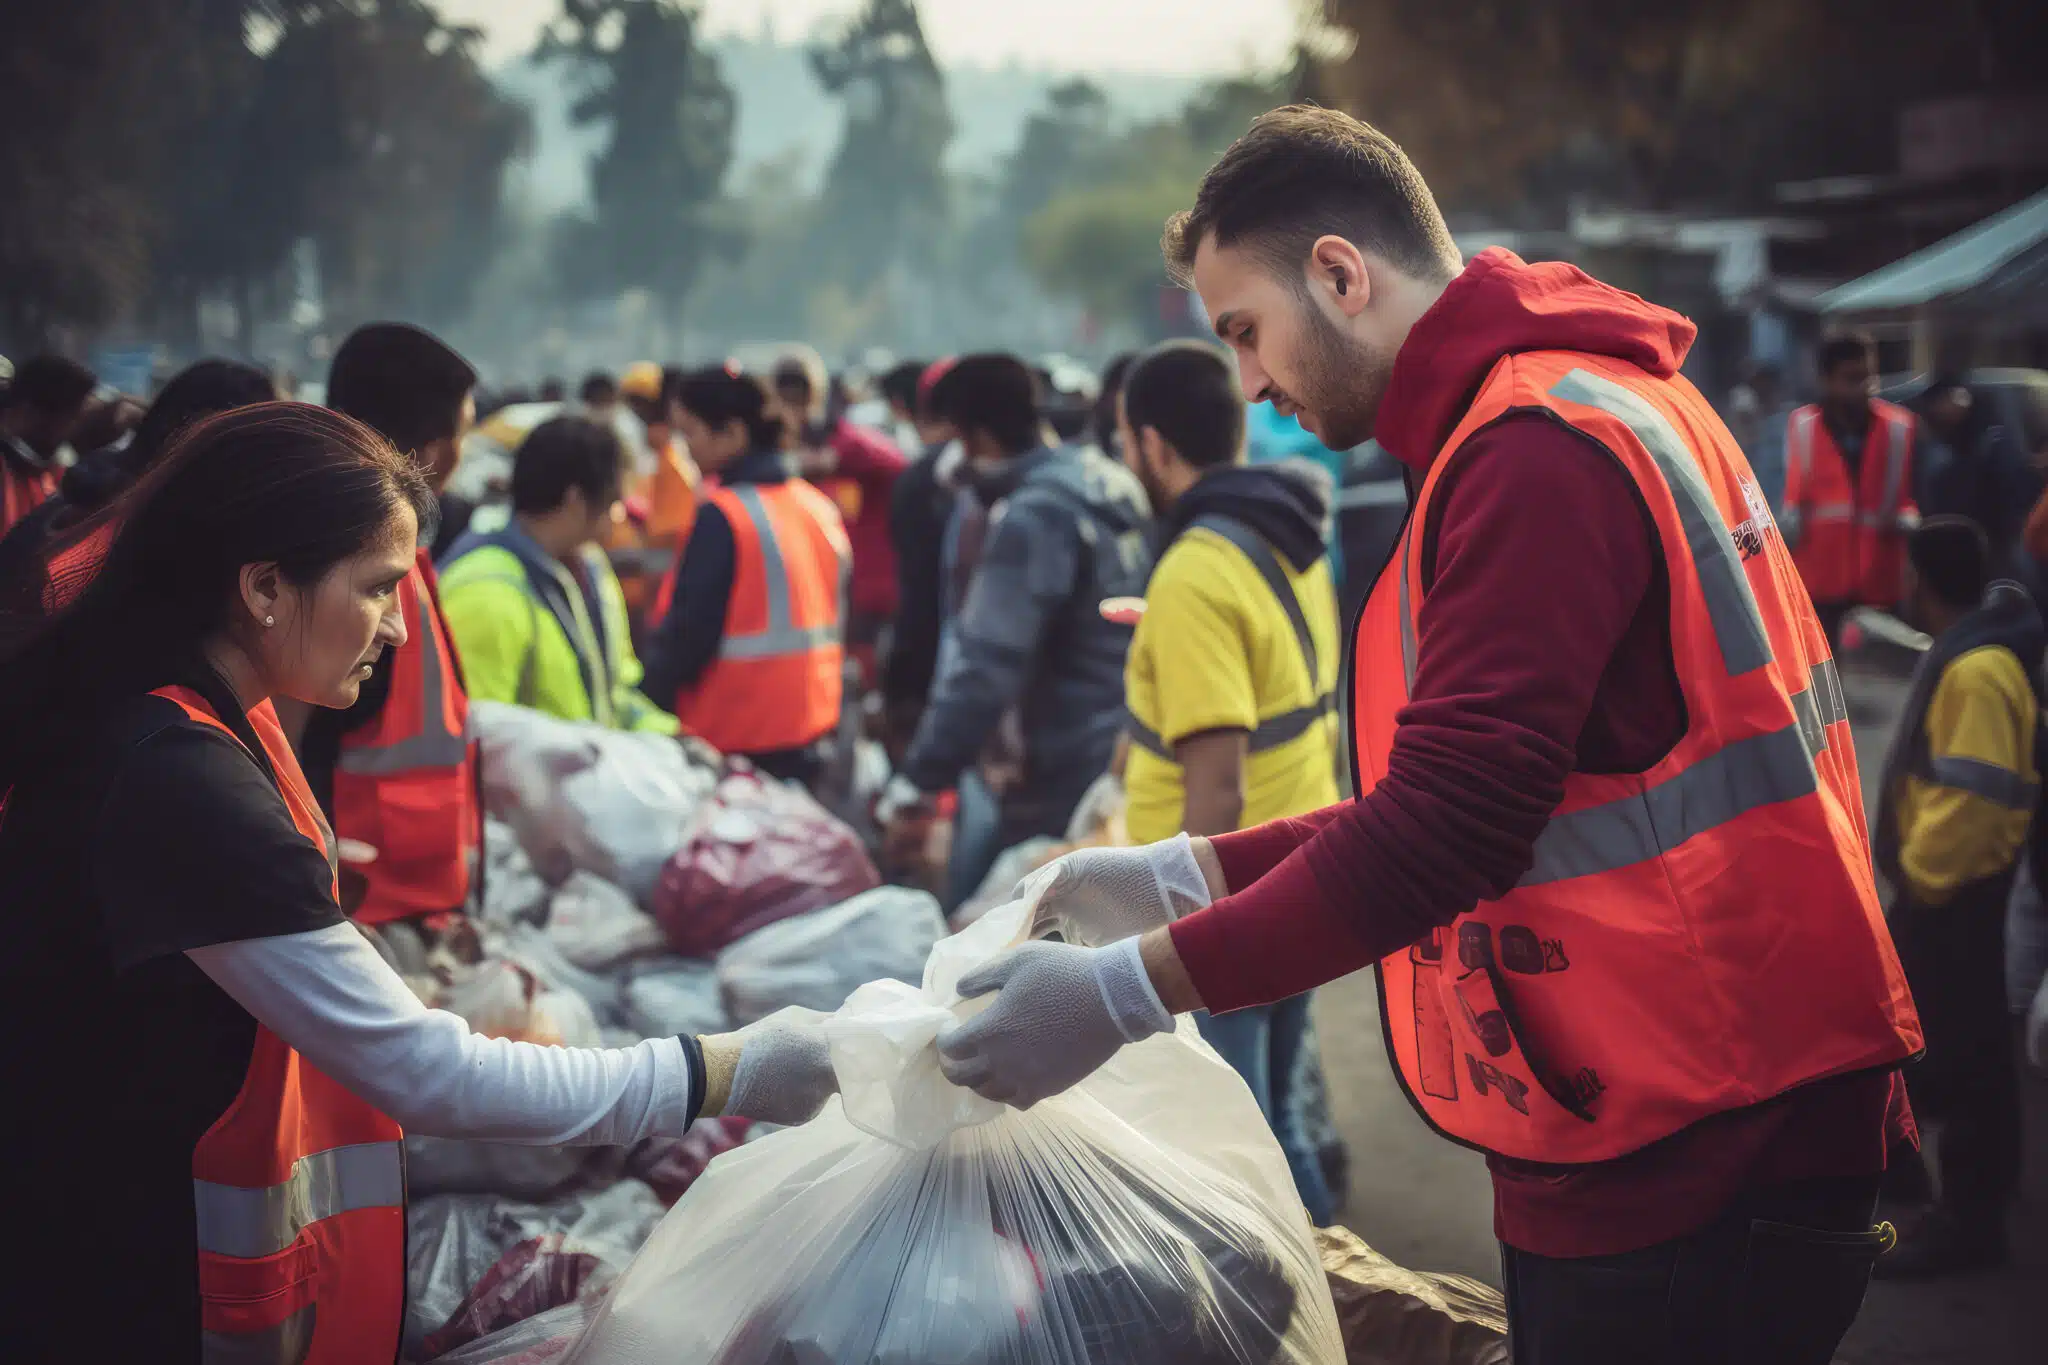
1849,542
777,682
1692,939
299,1186
406,783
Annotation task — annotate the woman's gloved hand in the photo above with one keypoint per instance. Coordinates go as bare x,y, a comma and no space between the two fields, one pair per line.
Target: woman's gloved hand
776,1070
1100,895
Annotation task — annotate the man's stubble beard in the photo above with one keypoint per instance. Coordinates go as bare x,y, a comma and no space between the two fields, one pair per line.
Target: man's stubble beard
1343,381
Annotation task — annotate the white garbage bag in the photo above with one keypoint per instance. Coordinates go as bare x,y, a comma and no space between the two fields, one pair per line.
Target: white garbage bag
669,995
817,960
512,889
583,797
506,1000
1145,1217
1011,866
595,924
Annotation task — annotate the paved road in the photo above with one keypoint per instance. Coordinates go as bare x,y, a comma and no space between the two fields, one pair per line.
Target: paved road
1428,1205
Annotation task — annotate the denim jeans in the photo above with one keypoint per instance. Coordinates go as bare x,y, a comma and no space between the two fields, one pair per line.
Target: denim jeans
1777,1279
1263,1044
977,840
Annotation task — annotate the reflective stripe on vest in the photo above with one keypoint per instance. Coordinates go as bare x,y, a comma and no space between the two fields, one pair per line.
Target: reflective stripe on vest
1270,733
779,638
2000,786
435,746
249,1223
284,1343
1731,604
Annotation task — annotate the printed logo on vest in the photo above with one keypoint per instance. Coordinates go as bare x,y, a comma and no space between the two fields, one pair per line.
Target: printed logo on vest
1752,534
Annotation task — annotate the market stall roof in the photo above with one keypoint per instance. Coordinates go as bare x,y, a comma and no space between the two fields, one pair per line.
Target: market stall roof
1998,263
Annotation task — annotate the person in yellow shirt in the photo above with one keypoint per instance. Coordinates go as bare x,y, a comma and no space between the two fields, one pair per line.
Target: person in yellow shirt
1955,816
535,610
1232,675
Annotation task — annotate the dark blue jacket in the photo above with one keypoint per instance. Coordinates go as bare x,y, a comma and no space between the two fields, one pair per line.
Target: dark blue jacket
1068,528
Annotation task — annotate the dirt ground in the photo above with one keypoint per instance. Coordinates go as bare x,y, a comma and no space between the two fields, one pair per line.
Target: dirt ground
1428,1204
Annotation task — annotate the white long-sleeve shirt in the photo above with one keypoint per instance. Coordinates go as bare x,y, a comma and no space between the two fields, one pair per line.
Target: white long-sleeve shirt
331,996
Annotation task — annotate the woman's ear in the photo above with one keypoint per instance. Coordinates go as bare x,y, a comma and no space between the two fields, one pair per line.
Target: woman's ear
262,588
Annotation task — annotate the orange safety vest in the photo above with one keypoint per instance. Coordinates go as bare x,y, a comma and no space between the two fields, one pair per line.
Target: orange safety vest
299,1186
776,683
1849,543
22,491
406,784
1691,939
644,552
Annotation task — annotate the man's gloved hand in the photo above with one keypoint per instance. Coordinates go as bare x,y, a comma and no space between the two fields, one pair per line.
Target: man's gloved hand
777,1070
1060,1012
1099,895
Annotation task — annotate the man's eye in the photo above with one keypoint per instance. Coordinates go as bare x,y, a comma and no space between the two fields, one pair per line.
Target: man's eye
1244,338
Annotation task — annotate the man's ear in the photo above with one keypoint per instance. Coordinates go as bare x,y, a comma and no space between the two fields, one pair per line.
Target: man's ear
1154,450
1337,272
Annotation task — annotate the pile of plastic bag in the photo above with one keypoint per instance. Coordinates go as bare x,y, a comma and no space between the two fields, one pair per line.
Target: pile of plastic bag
589,832
1145,1216
757,851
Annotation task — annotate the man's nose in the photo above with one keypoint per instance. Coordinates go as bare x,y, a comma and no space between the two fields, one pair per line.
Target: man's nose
1252,376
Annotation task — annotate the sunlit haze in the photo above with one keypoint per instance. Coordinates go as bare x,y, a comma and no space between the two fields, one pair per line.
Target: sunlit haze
1074,35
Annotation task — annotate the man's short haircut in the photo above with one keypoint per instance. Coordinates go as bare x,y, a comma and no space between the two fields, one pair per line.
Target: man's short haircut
402,381
991,392
803,369
899,383
1844,347
50,383
598,387
1952,556
1300,173
564,453
1189,394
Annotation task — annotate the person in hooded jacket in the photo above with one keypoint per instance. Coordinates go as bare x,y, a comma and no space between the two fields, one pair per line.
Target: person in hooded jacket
1232,679
1029,650
1608,850
1956,808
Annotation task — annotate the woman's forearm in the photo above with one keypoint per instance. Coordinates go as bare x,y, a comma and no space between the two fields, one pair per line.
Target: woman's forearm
329,995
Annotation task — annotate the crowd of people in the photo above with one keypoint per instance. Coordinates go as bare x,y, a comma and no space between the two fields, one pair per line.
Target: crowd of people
219,598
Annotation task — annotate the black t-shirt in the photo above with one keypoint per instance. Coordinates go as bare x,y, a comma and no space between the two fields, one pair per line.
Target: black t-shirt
162,835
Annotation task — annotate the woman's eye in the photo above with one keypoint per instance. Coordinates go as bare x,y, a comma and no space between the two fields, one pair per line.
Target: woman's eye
1244,338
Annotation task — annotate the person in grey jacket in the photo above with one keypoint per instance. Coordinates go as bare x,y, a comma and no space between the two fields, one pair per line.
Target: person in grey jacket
1030,676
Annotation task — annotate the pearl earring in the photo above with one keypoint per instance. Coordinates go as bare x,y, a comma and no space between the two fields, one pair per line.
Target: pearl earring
270,620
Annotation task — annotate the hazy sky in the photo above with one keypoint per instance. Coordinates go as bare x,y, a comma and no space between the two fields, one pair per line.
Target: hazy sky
1193,36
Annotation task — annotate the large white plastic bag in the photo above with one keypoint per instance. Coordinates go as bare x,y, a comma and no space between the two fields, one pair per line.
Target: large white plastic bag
666,995
1145,1217
817,960
583,797
595,924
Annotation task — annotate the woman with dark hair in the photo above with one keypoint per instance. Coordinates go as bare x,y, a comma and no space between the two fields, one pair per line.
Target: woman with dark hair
199,390
216,1110
750,641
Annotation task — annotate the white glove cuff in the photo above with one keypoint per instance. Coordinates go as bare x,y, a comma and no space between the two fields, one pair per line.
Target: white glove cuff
1181,883
1127,991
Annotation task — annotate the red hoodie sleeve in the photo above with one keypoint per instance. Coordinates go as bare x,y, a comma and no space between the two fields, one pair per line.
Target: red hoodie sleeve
1543,556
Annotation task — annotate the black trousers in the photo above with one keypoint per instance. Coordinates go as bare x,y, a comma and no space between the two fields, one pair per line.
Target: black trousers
1968,1082
1777,1279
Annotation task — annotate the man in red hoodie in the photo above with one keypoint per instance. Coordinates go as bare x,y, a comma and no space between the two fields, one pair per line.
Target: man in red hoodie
856,468
1609,854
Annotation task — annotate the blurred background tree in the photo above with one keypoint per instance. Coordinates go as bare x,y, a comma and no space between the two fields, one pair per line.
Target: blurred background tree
657,181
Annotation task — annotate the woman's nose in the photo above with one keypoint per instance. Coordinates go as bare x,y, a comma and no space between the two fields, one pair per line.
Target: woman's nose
391,630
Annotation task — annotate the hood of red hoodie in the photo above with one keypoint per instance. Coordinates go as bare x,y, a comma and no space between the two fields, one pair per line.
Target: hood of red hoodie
1501,305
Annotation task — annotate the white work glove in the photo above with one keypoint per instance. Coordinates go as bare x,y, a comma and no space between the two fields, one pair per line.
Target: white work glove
1060,1012
780,1068
1100,895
